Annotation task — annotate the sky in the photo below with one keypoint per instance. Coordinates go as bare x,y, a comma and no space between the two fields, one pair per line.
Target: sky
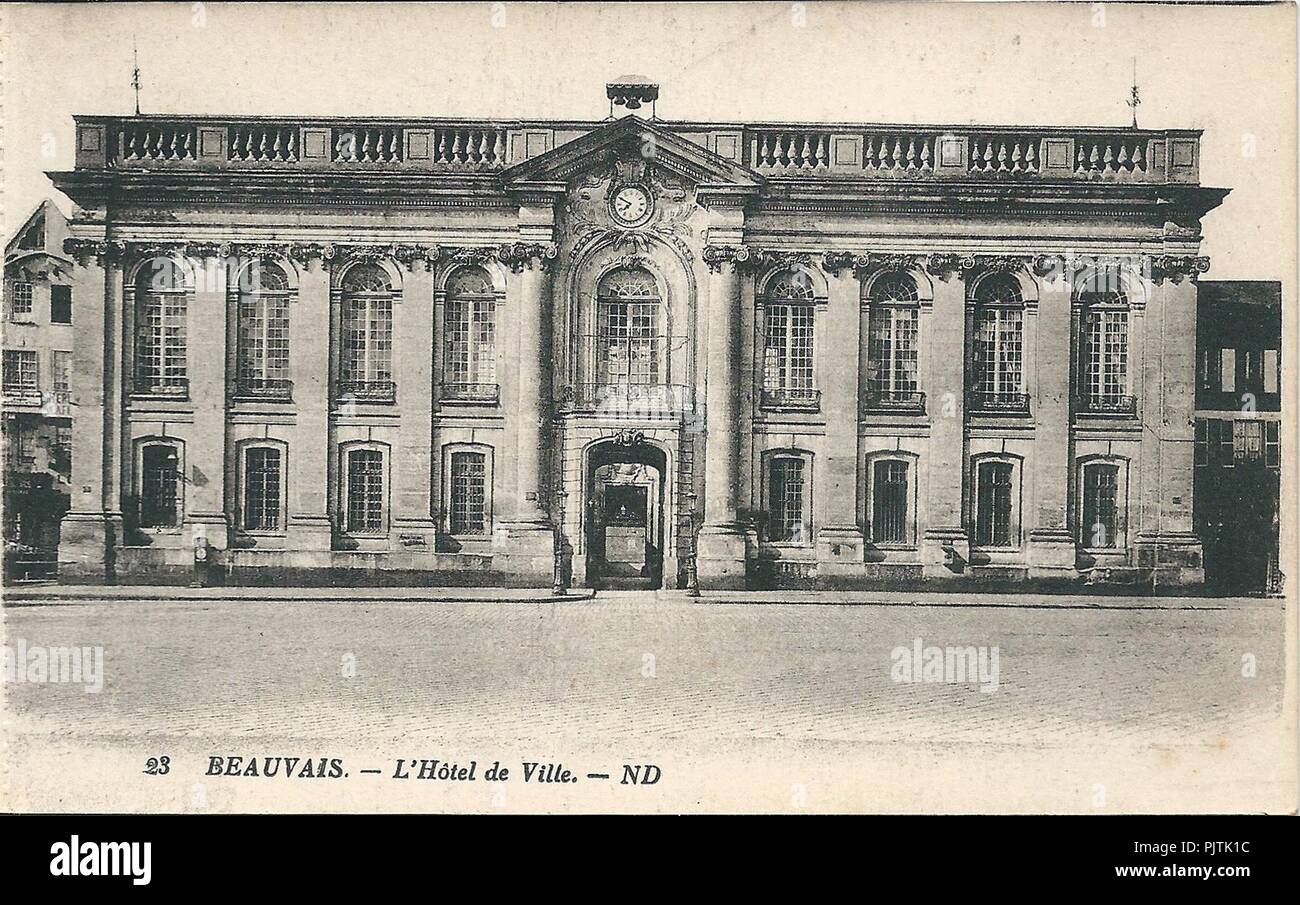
1228,70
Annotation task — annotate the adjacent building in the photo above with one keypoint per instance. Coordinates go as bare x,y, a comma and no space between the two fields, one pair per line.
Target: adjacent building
435,351
37,386
1238,453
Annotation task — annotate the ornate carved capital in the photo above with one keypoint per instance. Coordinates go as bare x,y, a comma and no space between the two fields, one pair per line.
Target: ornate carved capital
1178,267
520,255
772,258
715,256
82,250
999,263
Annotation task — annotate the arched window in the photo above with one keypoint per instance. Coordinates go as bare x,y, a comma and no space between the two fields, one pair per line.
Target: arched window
997,502
161,299
893,306
467,489
1104,380
999,344
1103,516
262,358
366,353
365,489
469,367
262,477
891,501
789,307
629,331
788,498
159,485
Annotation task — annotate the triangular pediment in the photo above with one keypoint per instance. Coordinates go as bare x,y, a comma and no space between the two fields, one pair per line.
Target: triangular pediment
627,138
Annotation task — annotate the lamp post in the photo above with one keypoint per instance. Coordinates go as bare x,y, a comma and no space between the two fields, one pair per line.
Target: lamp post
692,549
559,586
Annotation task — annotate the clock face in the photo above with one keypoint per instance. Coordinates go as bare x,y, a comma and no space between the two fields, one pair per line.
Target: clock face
630,205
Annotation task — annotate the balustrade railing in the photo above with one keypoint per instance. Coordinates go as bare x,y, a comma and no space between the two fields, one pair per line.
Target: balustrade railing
902,401
150,141
898,153
792,150
262,144
472,147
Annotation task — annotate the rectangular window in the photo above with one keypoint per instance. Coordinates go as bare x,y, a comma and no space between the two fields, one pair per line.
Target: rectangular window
889,503
627,343
159,480
1106,357
262,364
892,352
994,504
1221,442
788,350
20,306
262,482
60,304
1247,441
1100,506
467,509
469,347
999,349
785,501
1272,444
365,487
1228,370
1208,367
1272,370
367,340
1201,446
61,371
160,343
20,371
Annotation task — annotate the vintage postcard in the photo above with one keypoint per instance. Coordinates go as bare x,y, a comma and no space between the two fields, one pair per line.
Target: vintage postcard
682,407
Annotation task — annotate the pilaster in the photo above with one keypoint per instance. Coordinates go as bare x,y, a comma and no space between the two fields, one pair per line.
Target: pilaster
1051,542
945,545
310,447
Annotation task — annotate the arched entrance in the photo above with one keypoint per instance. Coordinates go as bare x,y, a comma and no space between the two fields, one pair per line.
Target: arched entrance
625,516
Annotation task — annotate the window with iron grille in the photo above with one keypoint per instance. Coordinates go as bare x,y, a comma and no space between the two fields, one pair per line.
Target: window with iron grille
469,333
159,486
263,479
1101,506
365,492
892,336
20,370
628,338
788,317
1104,334
367,334
999,338
467,508
60,304
262,361
889,502
994,503
160,306
787,499
20,305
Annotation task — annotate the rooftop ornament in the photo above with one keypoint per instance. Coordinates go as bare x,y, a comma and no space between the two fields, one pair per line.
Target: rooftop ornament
631,91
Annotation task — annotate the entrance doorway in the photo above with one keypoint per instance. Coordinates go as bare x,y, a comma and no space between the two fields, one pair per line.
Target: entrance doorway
625,511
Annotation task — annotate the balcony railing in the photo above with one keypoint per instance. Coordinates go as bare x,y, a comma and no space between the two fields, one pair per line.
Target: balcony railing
628,400
1112,406
997,402
165,387
845,150
481,393
377,391
263,388
800,398
887,401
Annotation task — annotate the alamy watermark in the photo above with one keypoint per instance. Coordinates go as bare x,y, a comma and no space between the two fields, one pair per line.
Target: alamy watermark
952,665
36,664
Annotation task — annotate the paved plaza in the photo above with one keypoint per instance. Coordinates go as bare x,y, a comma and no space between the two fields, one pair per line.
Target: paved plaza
657,675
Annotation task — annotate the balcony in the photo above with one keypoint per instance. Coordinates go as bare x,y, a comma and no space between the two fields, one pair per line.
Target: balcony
997,402
471,393
263,389
628,400
902,402
161,387
381,392
1108,406
803,399
875,151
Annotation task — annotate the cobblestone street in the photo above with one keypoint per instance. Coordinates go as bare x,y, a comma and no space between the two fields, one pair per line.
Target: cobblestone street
652,673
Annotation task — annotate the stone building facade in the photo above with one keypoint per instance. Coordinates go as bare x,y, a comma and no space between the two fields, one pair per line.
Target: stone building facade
410,350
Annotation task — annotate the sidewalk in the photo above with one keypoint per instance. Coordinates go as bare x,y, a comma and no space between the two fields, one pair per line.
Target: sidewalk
35,595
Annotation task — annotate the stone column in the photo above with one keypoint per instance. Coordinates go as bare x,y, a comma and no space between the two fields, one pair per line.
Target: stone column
92,528
310,447
839,538
1169,549
945,547
413,520
205,365
721,555
528,555
1051,541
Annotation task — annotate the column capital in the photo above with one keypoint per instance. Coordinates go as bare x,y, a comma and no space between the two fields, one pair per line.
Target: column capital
715,256
519,256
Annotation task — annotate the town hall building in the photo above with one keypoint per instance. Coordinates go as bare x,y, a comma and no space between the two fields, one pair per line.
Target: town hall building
651,352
